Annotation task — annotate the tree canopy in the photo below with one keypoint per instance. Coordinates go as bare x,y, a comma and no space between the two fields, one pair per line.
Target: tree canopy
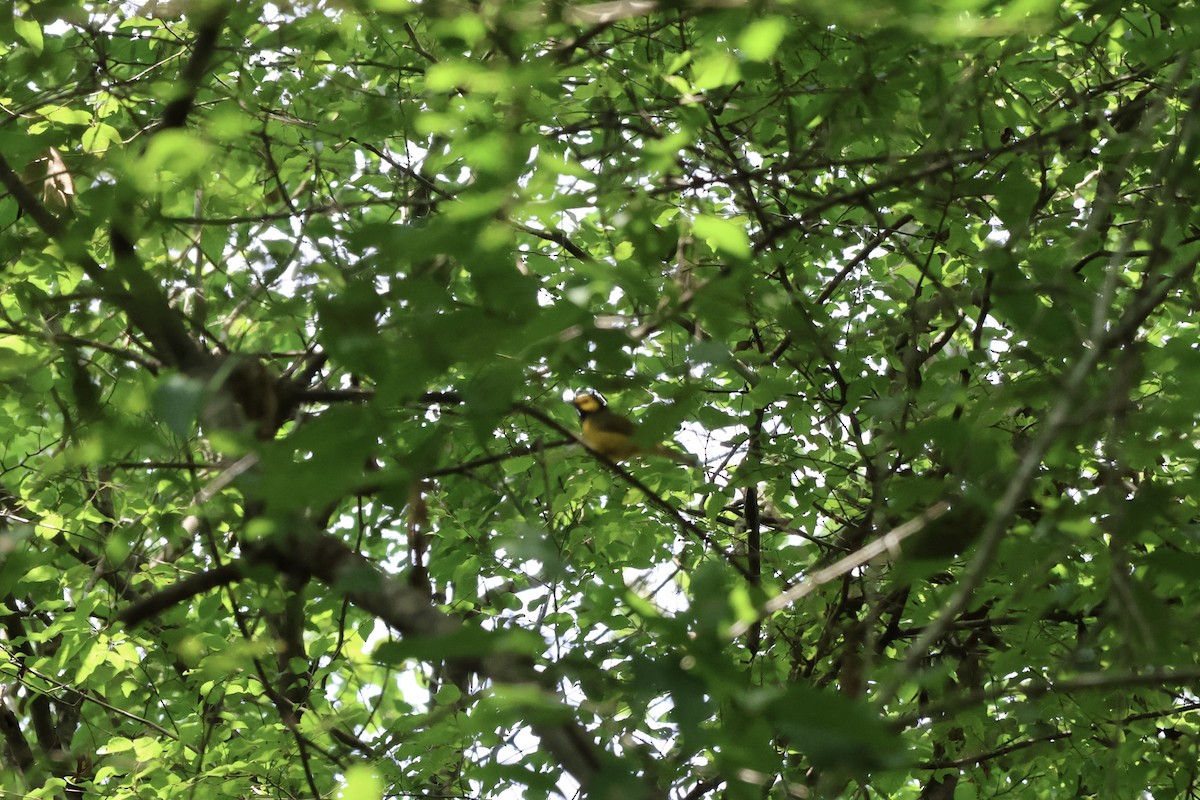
295,297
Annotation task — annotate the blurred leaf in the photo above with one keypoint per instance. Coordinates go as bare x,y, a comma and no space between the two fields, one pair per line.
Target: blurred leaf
177,403
362,783
715,70
30,32
833,730
723,235
465,643
761,38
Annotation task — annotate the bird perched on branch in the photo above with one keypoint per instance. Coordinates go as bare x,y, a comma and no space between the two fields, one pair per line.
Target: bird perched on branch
612,436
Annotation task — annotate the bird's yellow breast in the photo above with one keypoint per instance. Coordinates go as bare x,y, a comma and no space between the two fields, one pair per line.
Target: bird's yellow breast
612,444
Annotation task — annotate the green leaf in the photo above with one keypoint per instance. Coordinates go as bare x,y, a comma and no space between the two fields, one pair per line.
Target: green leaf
177,403
95,653
30,32
832,730
178,152
723,235
362,783
714,71
762,37
1015,197
117,744
65,116
99,137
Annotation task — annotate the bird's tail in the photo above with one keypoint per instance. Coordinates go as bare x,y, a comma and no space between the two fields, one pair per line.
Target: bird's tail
678,456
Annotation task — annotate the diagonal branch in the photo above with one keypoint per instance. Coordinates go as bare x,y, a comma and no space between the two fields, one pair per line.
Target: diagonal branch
1056,422
205,44
407,609
154,604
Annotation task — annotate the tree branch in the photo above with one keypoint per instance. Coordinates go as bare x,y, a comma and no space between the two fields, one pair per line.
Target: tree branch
153,605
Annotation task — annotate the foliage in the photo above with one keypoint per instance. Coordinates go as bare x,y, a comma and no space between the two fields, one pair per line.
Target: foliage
292,298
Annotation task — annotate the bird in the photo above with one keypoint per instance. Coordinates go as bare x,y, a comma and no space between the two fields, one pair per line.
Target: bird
612,436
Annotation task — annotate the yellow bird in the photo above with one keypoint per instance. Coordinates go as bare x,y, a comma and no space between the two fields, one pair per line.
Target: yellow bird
611,435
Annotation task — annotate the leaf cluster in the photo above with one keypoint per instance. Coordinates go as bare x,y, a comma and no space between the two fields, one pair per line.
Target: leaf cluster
292,296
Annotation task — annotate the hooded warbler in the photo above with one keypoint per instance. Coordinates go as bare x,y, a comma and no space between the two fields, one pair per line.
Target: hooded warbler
611,435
